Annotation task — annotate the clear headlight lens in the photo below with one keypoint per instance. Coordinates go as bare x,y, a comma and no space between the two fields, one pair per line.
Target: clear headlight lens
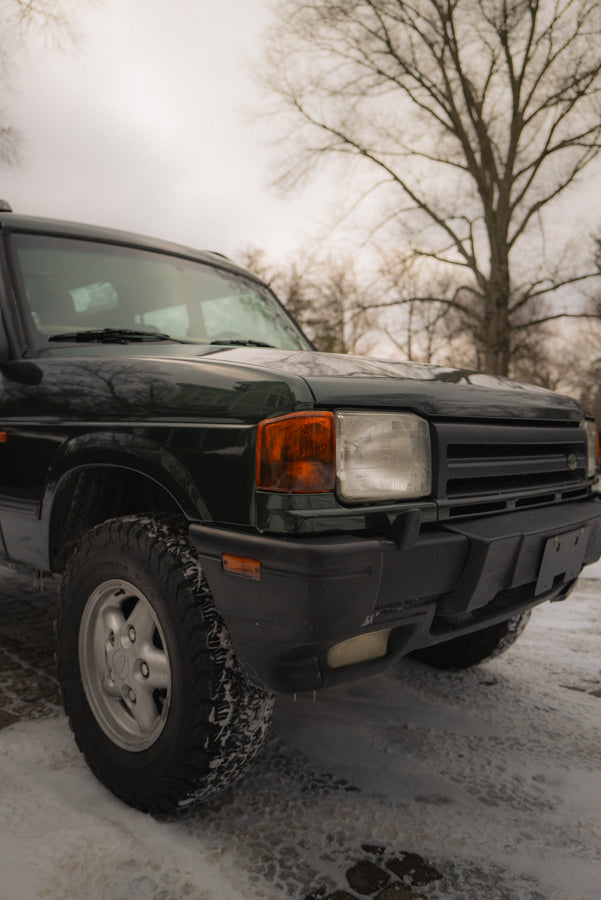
382,456
592,441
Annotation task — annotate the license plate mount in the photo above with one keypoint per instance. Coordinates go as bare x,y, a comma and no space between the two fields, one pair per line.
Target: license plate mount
563,555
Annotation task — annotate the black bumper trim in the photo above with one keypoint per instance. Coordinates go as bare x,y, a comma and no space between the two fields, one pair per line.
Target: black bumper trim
317,591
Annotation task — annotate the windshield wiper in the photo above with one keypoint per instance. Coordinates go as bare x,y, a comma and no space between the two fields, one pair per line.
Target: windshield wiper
112,336
240,342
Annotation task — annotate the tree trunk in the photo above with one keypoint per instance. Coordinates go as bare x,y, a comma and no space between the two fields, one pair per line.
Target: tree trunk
497,336
497,343
497,328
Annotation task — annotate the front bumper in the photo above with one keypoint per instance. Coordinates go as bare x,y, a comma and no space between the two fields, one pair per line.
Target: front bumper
427,584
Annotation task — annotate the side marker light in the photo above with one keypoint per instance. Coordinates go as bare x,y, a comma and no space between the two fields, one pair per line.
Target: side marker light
241,565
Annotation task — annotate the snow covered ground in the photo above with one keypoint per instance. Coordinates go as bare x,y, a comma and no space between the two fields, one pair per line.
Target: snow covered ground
491,776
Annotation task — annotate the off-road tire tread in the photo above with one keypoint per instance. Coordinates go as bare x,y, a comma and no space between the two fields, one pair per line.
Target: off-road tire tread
227,717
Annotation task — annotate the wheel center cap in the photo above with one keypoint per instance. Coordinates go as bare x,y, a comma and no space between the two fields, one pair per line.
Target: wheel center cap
120,664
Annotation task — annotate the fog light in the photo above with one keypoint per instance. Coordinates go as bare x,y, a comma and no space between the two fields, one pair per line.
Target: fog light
359,649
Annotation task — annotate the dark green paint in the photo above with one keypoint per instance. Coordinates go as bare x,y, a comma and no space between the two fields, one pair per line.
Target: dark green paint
185,415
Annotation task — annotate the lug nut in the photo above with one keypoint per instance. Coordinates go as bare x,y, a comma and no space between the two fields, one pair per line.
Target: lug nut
131,633
144,670
132,695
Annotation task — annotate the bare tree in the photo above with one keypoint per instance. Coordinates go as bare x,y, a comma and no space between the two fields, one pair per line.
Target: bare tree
326,296
19,19
470,119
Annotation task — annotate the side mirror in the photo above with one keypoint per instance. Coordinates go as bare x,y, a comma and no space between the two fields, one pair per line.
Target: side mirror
22,372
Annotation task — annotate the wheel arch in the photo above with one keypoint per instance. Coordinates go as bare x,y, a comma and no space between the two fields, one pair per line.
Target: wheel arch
100,476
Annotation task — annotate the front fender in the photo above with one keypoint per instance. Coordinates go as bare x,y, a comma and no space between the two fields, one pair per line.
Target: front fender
128,451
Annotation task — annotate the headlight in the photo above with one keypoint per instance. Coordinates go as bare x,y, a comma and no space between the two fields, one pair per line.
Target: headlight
592,443
382,456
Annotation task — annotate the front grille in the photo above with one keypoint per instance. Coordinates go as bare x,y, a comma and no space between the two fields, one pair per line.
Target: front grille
478,460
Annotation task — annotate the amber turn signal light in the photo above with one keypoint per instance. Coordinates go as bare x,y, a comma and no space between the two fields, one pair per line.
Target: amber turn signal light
241,565
296,453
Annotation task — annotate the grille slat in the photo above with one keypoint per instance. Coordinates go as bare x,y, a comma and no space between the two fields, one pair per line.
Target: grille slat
479,460
530,465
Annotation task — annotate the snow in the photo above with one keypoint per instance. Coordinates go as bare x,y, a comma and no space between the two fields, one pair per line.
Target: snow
593,571
491,775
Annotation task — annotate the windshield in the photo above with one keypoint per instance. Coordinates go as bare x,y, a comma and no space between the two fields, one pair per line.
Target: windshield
77,286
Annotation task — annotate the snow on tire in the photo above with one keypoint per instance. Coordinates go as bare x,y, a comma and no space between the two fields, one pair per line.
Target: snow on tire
156,698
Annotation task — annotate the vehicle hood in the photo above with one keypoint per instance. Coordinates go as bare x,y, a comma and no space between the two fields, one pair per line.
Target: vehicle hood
337,380
250,383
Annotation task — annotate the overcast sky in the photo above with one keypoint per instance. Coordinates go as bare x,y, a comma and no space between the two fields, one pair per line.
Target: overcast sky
146,127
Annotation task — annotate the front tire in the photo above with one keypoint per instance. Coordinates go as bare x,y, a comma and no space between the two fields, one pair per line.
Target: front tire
474,648
156,699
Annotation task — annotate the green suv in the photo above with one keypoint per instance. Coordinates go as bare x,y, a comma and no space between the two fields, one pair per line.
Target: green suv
234,514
